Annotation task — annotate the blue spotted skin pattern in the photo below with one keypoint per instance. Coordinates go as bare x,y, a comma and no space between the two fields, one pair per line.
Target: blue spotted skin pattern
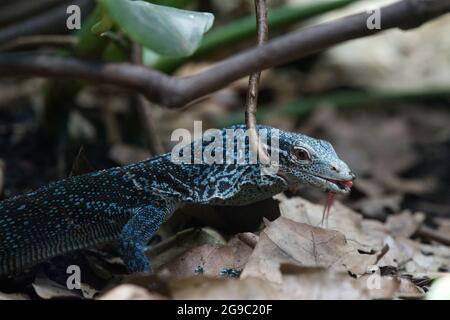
128,204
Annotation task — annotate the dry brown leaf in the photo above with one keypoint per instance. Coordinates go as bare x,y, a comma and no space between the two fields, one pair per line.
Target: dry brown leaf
404,224
265,261
248,238
364,234
322,284
389,287
419,259
367,235
13,296
207,288
209,259
408,289
313,246
443,225
255,289
88,291
174,247
285,240
376,206
130,292
48,289
297,283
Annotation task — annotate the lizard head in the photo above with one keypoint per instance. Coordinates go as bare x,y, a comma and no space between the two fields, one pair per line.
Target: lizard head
313,162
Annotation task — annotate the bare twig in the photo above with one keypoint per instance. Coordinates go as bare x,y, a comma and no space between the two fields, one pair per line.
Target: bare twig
153,142
12,11
39,40
48,22
253,87
176,93
431,234
382,252
144,108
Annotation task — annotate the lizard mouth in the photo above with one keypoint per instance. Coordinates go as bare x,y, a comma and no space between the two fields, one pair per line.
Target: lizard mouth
332,185
345,185
327,184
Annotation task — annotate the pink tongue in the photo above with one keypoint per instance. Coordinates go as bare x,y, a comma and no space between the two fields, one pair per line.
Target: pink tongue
326,211
330,199
348,183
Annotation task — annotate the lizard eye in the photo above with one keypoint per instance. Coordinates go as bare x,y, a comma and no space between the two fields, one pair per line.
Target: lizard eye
301,154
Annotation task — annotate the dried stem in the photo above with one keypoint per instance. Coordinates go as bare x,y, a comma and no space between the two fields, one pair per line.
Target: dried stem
13,11
48,21
39,40
253,87
144,108
431,234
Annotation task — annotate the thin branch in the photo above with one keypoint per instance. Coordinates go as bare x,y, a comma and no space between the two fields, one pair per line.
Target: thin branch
253,86
39,40
144,109
12,11
431,234
48,22
175,92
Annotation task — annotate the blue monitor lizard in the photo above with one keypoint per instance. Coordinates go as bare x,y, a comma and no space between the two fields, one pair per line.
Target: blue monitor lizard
128,204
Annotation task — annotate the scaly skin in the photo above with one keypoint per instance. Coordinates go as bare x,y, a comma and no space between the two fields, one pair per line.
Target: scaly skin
128,204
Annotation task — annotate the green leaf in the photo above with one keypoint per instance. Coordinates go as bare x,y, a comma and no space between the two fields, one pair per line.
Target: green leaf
149,57
166,31
104,25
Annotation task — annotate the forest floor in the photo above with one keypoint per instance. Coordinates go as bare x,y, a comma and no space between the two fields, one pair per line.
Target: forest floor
388,239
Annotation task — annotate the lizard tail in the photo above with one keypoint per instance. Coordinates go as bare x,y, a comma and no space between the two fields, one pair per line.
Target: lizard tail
14,261
56,219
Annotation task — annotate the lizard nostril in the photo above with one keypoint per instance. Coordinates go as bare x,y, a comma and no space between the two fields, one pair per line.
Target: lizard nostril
334,169
352,175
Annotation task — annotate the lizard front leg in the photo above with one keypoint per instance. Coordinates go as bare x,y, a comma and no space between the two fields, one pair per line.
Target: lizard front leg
139,230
